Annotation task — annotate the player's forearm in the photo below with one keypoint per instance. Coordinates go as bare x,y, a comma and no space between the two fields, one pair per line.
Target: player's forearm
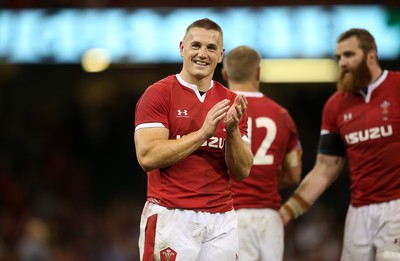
309,190
312,186
238,155
325,171
164,153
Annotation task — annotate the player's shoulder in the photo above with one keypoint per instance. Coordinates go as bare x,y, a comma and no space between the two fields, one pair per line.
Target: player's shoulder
337,96
218,85
166,82
394,80
163,87
272,102
334,102
275,105
391,80
395,75
222,89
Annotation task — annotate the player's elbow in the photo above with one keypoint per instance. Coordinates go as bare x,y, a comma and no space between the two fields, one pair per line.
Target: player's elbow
240,177
295,175
289,177
146,163
146,168
242,174
295,181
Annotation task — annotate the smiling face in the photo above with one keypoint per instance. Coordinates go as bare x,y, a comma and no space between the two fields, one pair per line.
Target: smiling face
354,65
201,49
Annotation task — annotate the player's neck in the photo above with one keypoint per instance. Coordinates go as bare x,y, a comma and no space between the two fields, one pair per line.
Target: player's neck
203,83
243,86
376,73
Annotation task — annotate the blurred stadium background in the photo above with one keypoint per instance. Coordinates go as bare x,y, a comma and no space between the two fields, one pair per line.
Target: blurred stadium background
70,186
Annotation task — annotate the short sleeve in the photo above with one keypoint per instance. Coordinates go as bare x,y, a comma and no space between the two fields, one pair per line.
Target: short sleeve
153,107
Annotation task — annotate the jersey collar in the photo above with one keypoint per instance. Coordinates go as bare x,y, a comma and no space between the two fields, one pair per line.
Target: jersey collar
194,87
373,86
251,94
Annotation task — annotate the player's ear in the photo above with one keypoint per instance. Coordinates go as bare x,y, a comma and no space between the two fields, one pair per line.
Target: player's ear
373,55
222,55
181,48
258,73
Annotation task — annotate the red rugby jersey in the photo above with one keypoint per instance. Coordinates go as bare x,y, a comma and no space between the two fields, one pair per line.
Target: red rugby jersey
273,134
201,181
369,125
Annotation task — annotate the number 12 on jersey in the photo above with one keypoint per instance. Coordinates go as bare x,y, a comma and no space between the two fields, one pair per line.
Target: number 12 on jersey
261,157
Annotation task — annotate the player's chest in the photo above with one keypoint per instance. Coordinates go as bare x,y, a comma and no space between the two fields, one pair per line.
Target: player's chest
187,113
361,121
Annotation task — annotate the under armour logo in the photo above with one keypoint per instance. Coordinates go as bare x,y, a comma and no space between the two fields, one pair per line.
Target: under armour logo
347,116
182,113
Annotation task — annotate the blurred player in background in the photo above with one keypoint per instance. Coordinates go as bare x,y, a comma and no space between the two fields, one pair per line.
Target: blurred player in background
191,141
277,160
360,122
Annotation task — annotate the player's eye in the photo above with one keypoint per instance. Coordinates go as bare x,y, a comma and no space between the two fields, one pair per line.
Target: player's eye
212,47
195,46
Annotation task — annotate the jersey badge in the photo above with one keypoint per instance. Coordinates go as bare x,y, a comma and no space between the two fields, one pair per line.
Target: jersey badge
385,110
168,254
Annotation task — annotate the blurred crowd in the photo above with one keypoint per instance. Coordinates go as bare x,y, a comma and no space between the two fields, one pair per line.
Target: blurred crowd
67,169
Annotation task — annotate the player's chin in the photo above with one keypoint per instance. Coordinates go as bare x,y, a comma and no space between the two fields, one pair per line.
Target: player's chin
201,72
